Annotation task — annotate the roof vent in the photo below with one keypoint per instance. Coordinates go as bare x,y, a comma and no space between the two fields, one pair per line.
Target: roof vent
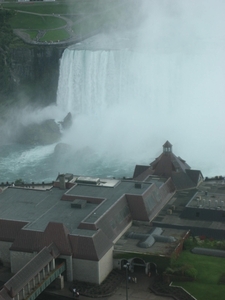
78,203
138,185
62,182
147,240
88,180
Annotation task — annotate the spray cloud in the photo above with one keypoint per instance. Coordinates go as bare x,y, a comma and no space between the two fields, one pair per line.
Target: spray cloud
165,83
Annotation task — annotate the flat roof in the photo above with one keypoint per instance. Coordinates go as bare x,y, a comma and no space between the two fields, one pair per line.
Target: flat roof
207,199
126,244
39,207
109,194
170,214
107,182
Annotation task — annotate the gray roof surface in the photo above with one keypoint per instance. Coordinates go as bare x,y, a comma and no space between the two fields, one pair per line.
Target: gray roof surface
182,181
181,200
10,229
127,244
111,195
17,282
38,208
209,200
140,169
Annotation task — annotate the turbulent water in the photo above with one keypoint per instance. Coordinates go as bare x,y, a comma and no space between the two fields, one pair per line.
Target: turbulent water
38,164
129,94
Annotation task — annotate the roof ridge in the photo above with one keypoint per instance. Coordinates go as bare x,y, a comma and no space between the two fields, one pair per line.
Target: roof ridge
62,232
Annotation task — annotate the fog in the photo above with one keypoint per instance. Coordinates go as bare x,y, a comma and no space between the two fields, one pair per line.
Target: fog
166,82
129,91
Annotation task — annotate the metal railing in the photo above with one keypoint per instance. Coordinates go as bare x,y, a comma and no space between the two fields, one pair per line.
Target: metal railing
46,282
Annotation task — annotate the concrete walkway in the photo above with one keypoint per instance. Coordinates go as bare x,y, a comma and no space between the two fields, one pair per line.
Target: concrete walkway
136,291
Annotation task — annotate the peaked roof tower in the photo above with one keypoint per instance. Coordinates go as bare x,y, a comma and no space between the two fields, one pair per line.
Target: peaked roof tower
169,165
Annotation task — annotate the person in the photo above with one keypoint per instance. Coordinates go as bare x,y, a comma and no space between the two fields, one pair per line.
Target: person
74,292
77,294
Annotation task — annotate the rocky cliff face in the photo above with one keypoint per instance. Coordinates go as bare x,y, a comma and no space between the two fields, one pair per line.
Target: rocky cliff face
35,69
31,62
32,80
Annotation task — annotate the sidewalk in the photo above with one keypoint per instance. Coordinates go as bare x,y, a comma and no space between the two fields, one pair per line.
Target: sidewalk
136,291
114,287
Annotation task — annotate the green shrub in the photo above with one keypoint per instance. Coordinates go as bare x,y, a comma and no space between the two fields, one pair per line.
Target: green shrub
191,272
222,279
182,270
19,182
190,243
169,270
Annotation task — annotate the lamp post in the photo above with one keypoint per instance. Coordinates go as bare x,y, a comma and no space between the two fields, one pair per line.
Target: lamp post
126,266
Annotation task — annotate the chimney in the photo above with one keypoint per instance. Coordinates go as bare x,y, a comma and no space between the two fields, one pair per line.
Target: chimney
62,183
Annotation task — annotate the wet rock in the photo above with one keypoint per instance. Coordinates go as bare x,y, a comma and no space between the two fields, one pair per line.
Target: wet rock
67,121
45,133
62,148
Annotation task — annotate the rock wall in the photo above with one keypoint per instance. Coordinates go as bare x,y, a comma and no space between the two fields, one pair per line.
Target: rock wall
31,75
32,62
35,70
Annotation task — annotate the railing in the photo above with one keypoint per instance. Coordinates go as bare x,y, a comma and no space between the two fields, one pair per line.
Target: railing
46,282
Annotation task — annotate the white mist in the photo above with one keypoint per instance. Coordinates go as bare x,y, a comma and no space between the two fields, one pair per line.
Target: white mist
167,84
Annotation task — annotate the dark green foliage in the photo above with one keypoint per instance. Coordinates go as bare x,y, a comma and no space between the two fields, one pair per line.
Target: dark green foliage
191,272
5,15
210,270
189,243
203,242
222,279
183,270
169,270
6,37
19,182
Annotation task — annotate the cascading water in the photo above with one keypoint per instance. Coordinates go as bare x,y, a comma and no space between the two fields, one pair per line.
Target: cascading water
92,81
126,102
129,94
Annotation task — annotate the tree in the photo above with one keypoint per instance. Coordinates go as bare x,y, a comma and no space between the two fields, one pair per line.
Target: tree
6,37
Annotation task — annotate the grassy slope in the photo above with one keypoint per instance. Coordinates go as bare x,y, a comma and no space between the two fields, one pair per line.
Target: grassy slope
57,7
209,271
87,16
29,21
64,7
55,35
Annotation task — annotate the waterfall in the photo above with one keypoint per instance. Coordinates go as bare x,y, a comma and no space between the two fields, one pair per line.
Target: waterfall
129,92
91,81
127,101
